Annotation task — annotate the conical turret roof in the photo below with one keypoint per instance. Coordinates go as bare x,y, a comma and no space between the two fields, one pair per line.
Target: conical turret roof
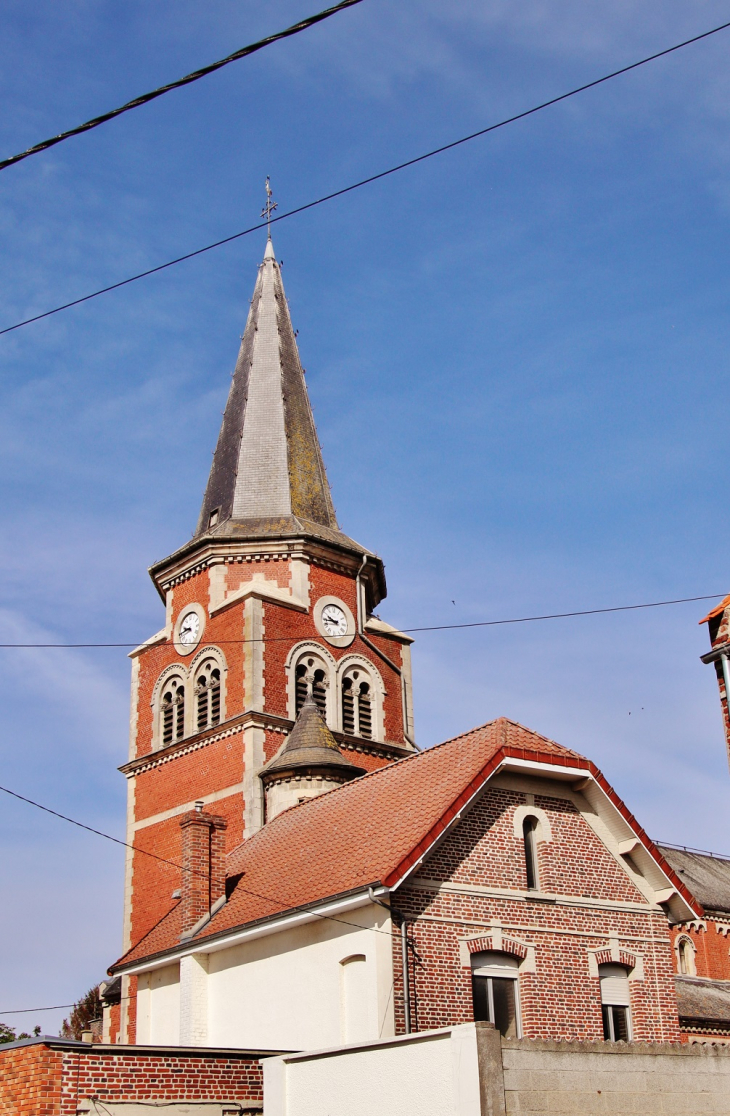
268,477
310,744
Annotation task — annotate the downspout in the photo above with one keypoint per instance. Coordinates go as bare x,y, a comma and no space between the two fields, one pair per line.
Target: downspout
381,654
404,956
726,680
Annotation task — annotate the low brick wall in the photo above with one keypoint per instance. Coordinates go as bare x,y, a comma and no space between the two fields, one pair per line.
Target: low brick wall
53,1077
598,1079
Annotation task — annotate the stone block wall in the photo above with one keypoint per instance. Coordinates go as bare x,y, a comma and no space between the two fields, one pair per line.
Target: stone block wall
620,1079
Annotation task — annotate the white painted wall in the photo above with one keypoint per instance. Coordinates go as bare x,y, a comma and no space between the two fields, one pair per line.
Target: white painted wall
433,1073
285,991
321,983
158,1007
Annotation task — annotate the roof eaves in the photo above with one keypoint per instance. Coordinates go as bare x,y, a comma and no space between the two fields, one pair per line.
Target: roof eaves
190,945
452,814
643,836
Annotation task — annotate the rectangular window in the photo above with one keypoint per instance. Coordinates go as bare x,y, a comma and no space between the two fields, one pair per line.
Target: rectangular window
495,1002
615,1023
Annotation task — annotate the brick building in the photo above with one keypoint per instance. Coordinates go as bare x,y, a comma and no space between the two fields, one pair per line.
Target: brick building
301,874
537,900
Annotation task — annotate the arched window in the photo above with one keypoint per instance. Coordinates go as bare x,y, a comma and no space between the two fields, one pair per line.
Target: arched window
310,677
301,686
348,707
615,1003
208,696
364,711
494,984
319,691
357,703
685,957
529,826
172,711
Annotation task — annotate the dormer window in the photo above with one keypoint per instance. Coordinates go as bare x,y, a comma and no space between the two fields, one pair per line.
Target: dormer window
213,518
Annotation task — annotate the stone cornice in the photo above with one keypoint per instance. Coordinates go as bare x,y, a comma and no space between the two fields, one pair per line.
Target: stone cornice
209,551
266,721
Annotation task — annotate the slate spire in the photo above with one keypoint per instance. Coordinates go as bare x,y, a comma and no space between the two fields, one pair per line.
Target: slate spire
268,476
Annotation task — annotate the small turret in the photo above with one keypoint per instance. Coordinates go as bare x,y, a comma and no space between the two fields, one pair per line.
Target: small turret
309,764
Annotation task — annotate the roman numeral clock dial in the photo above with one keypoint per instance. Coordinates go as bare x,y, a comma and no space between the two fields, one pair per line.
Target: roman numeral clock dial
334,621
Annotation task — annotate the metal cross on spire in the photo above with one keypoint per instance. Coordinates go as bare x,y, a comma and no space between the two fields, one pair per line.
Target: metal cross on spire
269,207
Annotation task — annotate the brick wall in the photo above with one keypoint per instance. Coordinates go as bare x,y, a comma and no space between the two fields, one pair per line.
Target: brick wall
51,1077
215,760
559,994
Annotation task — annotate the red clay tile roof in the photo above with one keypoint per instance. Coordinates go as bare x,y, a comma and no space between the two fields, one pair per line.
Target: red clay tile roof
716,610
370,831
367,832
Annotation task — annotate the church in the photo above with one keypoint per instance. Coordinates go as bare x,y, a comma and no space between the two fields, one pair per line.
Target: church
300,874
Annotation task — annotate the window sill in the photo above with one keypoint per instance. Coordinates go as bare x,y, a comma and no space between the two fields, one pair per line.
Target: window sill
539,897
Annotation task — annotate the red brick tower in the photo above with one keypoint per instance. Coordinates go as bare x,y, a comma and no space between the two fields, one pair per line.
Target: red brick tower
718,624
268,607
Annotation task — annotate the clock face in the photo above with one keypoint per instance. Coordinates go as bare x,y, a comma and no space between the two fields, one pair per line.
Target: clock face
334,620
189,628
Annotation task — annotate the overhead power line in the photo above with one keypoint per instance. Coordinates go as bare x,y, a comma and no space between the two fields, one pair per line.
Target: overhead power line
370,179
145,98
281,905
409,631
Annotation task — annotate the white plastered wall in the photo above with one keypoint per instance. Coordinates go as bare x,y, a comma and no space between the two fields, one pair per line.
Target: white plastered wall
158,1007
285,990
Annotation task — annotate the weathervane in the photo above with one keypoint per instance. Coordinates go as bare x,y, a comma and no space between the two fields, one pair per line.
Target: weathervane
269,207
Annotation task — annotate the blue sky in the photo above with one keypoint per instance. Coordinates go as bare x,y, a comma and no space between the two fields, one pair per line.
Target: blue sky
517,354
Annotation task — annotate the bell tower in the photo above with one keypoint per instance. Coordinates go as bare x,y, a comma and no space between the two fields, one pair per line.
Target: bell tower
268,615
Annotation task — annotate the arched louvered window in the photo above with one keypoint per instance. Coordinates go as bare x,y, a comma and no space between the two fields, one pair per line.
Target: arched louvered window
302,686
311,677
348,707
364,711
208,696
319,691
172,711
358,712
615,1003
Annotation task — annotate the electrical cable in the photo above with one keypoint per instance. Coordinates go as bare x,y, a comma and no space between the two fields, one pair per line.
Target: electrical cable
366,181
145,98
405,631
282,906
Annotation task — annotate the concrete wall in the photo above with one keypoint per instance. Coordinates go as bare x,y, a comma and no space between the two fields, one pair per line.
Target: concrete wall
433,1073
597,1078
468,1070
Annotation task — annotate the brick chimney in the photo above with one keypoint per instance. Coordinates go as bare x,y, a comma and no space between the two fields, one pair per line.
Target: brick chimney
203,864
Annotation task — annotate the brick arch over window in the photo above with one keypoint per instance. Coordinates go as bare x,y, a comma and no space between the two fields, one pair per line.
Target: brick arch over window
361,694
208,674
310,668
496,942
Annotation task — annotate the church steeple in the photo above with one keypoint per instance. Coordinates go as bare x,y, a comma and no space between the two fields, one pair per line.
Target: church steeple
267,468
